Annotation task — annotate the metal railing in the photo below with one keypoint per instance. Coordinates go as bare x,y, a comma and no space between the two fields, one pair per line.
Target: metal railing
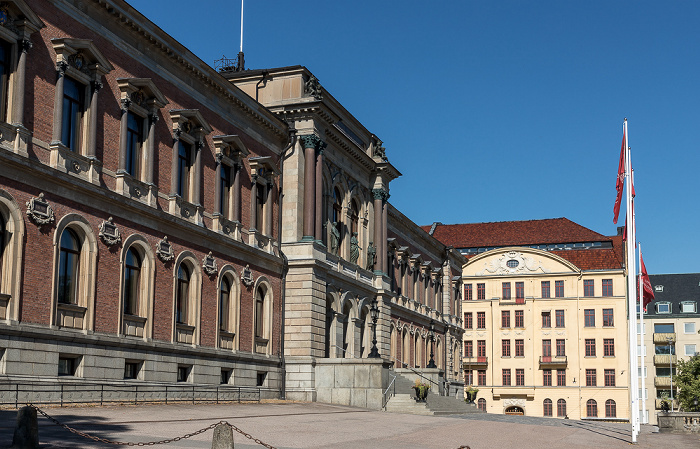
387,396
67,393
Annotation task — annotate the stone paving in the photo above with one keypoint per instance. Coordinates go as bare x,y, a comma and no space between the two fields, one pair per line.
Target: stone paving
304,425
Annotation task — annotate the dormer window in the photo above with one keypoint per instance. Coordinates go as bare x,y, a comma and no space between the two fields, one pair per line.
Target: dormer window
658,288
663,307
688,307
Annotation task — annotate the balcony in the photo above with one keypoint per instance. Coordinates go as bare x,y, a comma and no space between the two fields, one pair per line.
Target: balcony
664,337
662,382
658,403
554,361
472,362
511,300
664,359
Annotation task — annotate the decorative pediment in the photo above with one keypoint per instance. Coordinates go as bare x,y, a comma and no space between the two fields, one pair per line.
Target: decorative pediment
82,56
17,20
263,166
189,121
513,262
230,147
141,92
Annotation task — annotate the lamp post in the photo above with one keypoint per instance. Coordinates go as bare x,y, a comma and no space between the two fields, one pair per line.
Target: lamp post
431,362
374,311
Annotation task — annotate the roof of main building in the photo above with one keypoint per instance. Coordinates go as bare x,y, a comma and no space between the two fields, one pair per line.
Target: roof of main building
552,231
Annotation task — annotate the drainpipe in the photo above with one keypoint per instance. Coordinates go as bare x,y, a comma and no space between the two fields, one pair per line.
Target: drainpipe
285,261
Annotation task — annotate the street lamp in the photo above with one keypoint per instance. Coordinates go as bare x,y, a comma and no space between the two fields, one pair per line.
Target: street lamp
431,362
374,312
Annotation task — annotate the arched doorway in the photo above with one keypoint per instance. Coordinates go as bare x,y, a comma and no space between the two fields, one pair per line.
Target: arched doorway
514,410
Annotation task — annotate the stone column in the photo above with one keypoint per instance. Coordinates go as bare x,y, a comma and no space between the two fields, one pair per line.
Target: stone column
123,127
319,197
378,207
175,174
150,146
92,129
217,188
61,68
196,185
385,213
237,192
253,202
20,75
309,143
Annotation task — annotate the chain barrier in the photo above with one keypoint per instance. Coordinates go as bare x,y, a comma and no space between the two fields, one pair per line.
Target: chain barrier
149,443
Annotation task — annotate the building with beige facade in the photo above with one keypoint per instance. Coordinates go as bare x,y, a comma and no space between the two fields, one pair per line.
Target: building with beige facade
671,333
545,318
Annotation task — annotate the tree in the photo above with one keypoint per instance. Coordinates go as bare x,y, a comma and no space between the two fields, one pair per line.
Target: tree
687,380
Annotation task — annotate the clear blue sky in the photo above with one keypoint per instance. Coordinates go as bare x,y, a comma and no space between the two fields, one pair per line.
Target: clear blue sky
498,110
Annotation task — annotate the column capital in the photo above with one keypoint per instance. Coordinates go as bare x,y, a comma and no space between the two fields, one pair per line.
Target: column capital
312,141
126,104
381,194
96,85
25,45
61,68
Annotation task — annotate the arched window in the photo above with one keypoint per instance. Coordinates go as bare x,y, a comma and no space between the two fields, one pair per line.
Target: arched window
224,304
132,282
591,408
3,242
68,268
329,339
481,404
228,309
182,294
338,217
561,408
348,331
418,351
610,409
547,407
354,216
406,348
11,241
262,320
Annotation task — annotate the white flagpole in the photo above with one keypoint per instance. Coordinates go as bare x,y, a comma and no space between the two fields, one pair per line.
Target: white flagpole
631,294
643,419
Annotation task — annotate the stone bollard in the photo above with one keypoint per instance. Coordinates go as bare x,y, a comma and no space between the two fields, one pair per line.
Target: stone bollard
223,437
26,430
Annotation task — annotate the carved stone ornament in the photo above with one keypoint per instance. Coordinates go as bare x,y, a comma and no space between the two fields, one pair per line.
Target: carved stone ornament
39,210
209,264
513,262
165,250
109,233
313,88
247,277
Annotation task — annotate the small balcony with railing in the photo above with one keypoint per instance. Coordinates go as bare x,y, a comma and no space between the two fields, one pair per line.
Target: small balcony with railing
664,337
662,382
474,362
658,403
553,361
665,359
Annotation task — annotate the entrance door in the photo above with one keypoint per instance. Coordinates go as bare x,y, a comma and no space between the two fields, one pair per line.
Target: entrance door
514,410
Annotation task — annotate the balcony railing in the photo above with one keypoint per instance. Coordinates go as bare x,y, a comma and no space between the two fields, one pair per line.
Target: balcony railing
660,338
664,359
475,361
553,360
658,403
662,382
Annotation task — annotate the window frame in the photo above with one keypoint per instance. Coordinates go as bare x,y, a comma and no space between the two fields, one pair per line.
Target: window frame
505,319
468,320
591,377
559,289
608,318
481,320
546,293
519,377
547,377
607,287
468,293
560,318
609,376
481,291
505,377
546,319
520,319
505,347
588,317
590,350
505,291
608,347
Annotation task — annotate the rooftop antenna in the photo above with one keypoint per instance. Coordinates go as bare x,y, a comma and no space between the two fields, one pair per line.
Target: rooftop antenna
241,60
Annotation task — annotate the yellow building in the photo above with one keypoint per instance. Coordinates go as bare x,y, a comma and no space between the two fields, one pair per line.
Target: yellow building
545,318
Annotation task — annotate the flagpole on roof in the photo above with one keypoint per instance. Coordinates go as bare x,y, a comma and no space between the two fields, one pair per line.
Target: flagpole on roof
631,294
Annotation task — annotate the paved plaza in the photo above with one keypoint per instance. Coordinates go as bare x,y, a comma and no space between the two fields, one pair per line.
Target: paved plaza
314,425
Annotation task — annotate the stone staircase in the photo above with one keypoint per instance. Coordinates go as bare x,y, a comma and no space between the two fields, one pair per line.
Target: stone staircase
404,401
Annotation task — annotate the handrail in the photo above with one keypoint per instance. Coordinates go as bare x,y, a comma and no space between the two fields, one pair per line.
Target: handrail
385,399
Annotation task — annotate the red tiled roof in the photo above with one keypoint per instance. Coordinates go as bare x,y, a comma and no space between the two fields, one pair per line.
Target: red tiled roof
514,233
591,259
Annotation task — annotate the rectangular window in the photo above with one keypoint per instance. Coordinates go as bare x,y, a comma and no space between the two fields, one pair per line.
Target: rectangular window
547,319
481,374
519,290
225,187
589,317
506,377
559,289
588,288
468,320
73,105
480,291
520,348
607,287
591,378
669,349
664,371
561,347
225,376
690,350
468,377
547,377
519,377
481,320
481,348
505,318
506,290
260,380
67,365
134,143
468,292
545,289
689,328
559,314
184,162
608,347
561,377
519,318
590,347
5,71
505,348
663,307
664,328
468,349
608,318
546,348
183,373
688,307
131,370
609,377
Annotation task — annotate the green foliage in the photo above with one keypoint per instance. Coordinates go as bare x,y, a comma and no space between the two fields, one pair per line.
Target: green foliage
687,381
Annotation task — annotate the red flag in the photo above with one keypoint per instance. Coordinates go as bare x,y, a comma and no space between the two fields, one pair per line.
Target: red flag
647,291
619,184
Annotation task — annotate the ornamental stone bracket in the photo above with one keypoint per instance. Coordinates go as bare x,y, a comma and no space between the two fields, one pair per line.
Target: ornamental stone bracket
40,211
209,264
109,232
164,250
247,277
